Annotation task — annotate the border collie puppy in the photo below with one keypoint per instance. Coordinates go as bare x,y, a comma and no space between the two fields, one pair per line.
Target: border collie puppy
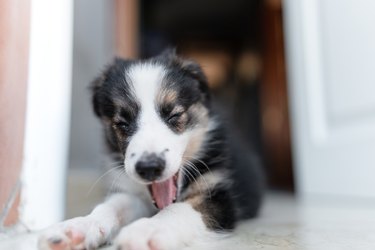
184,179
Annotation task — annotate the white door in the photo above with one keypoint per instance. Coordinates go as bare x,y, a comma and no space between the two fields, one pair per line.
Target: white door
331,71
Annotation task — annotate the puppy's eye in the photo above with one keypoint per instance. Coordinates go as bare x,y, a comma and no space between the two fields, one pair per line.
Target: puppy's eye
121,125
174,117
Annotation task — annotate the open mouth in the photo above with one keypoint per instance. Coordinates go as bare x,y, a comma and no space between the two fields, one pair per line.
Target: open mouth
164,193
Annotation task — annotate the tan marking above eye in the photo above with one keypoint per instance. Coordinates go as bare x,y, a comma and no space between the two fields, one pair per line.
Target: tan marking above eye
177,109
168,96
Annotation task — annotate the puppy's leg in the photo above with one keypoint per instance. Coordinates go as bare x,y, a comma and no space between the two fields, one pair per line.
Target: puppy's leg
172,228
181,224
97,228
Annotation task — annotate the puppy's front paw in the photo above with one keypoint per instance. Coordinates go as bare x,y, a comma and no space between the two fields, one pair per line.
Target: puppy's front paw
74,234
147,234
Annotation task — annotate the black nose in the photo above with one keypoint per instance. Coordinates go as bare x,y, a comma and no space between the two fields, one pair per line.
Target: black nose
150,167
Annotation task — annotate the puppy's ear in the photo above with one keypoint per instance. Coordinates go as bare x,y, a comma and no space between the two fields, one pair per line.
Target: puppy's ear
167,56
193,69
188,67
99,95
95,88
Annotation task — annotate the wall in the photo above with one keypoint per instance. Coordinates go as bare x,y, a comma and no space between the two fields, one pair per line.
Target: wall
14,50
93,49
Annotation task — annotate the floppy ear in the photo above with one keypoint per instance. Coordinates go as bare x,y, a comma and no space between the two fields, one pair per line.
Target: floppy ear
95,87
101,85
98,94
189,67
168,55
194,69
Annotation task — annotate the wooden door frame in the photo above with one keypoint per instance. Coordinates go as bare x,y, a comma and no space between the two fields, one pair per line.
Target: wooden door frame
127,28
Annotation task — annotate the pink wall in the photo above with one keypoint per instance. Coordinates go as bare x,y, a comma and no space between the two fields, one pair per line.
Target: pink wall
14,48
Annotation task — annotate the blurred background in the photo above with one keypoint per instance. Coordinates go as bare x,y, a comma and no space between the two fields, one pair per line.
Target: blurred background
294,78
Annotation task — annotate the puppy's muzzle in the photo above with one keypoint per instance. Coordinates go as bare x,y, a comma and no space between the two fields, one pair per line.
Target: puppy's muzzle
150,167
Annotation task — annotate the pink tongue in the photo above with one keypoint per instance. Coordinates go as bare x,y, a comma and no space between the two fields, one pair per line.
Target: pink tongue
164,192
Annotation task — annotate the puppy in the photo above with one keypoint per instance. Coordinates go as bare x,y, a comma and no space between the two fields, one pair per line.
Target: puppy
185,179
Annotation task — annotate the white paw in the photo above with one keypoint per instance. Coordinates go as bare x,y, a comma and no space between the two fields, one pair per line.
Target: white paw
147,234
74,234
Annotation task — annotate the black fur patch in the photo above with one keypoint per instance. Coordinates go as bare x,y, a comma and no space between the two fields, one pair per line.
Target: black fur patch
116,105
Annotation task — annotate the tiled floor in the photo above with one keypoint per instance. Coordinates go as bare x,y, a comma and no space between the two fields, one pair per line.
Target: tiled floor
285,224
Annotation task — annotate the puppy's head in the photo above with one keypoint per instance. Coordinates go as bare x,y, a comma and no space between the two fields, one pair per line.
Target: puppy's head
156,115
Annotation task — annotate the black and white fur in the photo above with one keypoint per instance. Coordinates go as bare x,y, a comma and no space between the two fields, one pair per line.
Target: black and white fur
160,109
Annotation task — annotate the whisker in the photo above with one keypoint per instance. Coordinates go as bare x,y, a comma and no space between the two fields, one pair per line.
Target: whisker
195,180
203,163
113,185
115,162
101,177
191,164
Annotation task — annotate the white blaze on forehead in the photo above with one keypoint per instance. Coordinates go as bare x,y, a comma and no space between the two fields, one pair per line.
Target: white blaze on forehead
152,135
146,80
